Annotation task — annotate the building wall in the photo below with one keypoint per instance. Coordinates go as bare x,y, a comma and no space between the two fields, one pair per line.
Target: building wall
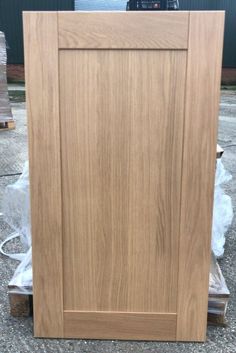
229,54
11,22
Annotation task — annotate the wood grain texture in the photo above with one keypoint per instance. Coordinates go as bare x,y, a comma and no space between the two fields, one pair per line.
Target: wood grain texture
123,30
126,189
201,116
121,178
120,325
41,62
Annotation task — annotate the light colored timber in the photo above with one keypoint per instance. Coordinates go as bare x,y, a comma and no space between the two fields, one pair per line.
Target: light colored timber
120,325
125,190
198,173
42,95
121,199
123,30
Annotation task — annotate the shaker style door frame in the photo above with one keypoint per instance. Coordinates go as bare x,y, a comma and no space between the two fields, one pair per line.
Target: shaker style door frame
200,34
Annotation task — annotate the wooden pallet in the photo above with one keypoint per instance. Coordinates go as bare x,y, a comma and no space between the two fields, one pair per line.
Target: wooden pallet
7,125
21,305
217,307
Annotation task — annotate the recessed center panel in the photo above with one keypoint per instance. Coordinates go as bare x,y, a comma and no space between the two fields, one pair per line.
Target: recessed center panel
121,116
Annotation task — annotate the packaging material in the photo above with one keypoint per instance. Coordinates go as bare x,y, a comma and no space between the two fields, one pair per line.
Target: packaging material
15,256
16,207
21,281
3,54
217,284
16,212
218,294
5,109
222,212
219,151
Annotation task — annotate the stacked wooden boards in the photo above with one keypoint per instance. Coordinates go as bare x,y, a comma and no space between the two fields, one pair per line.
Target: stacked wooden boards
122,203
6,120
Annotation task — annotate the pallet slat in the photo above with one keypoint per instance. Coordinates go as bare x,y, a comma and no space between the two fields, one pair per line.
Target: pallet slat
7,125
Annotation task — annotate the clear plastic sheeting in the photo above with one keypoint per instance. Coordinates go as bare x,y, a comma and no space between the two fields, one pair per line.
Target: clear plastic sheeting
15,256
3,53
218,294
16,213
222,211
21,281
16,207
217,284
16,210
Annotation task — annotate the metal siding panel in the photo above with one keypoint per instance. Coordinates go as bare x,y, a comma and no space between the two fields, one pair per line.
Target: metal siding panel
229,52
195,4
11,21
66,5
9,24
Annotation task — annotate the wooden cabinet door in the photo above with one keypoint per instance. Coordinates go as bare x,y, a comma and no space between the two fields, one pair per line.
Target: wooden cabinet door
122,112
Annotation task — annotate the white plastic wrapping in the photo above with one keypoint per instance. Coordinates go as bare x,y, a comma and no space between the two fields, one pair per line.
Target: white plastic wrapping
16,212
16,209
21,281
222,211
218,294
217,284
3,53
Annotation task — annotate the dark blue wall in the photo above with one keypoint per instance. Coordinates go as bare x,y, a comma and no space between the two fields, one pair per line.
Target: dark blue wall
229,54
11,21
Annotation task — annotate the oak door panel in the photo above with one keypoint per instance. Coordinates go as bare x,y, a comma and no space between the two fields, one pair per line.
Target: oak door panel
121,199
120,325
122,111
198,171
123,30
42,80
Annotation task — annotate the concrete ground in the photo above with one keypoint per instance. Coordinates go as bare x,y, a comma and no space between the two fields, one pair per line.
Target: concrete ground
16,334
